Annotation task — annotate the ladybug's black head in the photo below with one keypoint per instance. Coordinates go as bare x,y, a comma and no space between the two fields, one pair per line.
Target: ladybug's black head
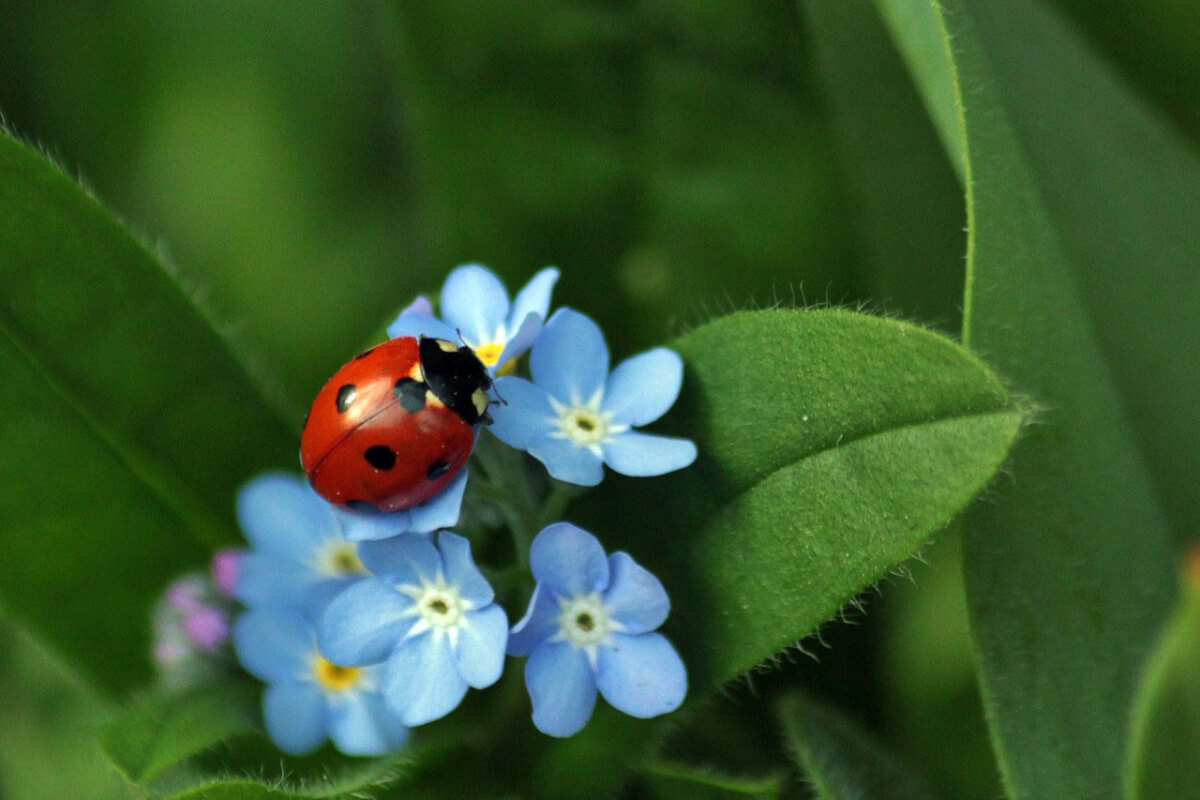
457,377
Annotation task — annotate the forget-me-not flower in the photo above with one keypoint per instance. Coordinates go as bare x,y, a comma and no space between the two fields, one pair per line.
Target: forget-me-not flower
575,416
429,613
308,697
475,305
590,627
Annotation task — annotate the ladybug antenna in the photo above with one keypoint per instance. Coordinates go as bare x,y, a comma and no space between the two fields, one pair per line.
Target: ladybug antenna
499,399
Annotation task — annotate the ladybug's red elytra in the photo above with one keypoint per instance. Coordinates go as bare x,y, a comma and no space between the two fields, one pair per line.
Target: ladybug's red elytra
394,426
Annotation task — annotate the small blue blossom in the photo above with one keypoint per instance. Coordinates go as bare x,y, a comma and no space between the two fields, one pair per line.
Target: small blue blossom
575,416
475,305
308,697
590,627
429,613
304,549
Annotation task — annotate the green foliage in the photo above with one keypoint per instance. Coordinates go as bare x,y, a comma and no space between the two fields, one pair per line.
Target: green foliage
128,423
839,759
835,445
1166,722
1069,573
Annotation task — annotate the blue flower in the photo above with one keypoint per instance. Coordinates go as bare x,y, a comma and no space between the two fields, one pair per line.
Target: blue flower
575,416
429,613
305,549
309,697
589,628
475,306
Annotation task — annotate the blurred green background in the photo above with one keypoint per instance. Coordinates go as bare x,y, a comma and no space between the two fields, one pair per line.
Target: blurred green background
309,167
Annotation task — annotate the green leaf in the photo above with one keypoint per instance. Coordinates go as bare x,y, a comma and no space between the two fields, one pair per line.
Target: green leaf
204,743
128,424
1069,574
840,759
1166,722
673,779
159,731
832,446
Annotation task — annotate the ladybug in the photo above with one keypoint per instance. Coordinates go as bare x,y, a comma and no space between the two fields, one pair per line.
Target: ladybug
394,426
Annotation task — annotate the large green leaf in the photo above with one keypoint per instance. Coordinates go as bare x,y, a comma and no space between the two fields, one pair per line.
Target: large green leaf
1068,571
840,760
128,423
1166,722
832,446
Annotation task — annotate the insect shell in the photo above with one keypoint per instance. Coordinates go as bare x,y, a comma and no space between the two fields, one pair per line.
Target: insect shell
394,426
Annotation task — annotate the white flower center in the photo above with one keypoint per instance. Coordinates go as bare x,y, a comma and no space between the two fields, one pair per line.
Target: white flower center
338,558
439,606
584,423
584,621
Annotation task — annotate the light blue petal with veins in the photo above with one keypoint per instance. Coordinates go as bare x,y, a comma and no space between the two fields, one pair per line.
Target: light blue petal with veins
539,623
475,302
423,683
275,644
363,624
442,510
568,560
635,597
519,340
360,725
570,359
642,675
480,653
641,455
281,514
363,526
461,571
417,324
568,462
407,559
534,297
525,415
562,688
643,388
295,716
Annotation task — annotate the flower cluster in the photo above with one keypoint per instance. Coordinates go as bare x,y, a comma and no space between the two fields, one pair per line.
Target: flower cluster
366,625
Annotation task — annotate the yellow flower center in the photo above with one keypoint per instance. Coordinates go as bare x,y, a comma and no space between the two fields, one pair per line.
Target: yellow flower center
489,353
335,678
339,559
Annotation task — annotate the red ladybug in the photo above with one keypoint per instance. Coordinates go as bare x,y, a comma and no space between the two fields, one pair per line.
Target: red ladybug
394,426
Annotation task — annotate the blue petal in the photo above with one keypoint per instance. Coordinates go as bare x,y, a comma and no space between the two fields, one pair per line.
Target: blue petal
421,305
268,579
359,526
475,302
635,598
416,324
568,560
442,510
406,559
519,339
481,642
461,571
275,644
568,462
642,676
295,716
534,298
423,683
281,514
363,624
641,454
570,358
360,725
643,388
562,688
539,623
525,416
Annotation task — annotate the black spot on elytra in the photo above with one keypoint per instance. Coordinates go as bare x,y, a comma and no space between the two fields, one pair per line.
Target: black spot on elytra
437,469
411,394
345,397
362,506
364,353
380,457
